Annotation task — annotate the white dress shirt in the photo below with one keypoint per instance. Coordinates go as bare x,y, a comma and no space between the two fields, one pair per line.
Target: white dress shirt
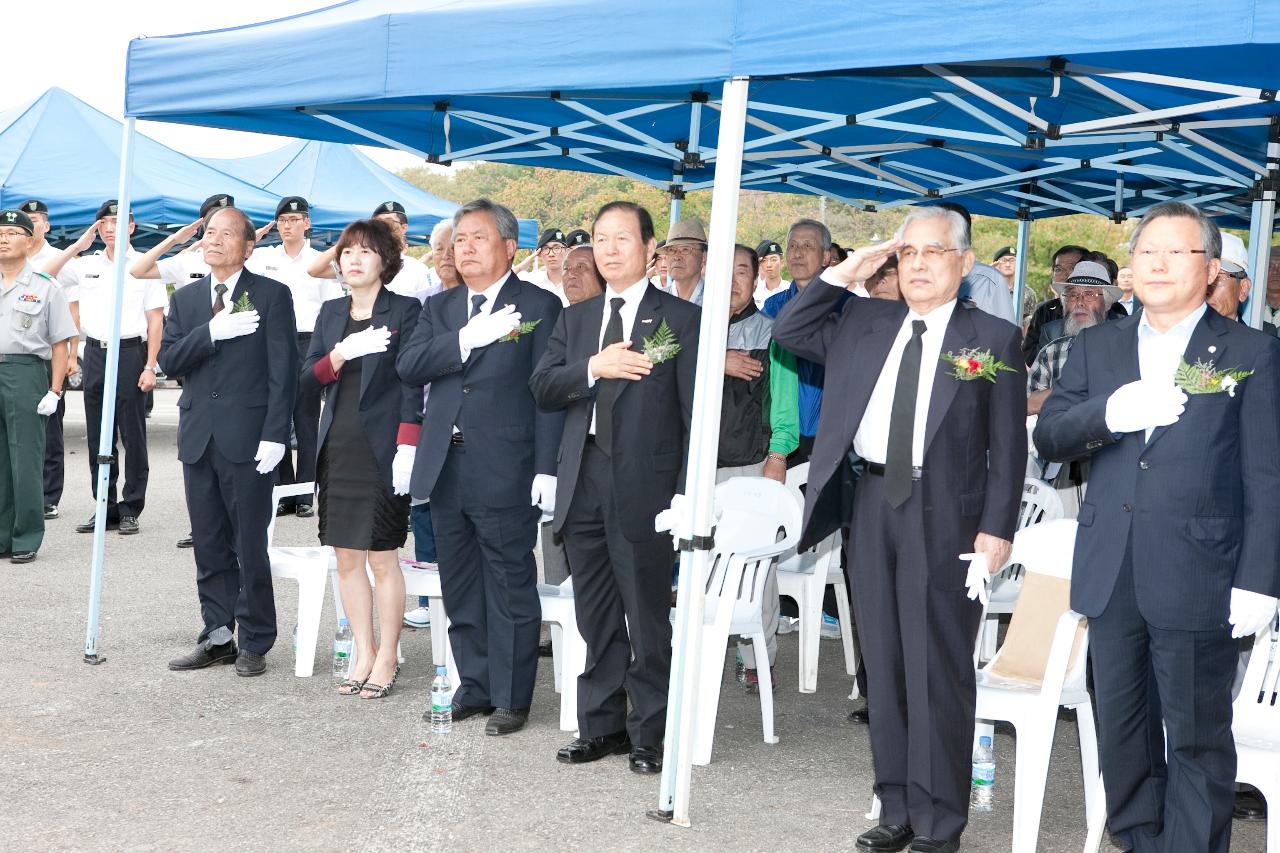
490,294
1271,315
540,279
1127,304
44,257
90,280
763,292
231,282
413,279
308,293
183,268
630,307
1160,352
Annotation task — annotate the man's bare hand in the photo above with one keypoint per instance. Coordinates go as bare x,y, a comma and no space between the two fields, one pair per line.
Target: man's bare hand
146,380
739,365
617,361
85,240
186,232
263,231
863,263
775,469
995,549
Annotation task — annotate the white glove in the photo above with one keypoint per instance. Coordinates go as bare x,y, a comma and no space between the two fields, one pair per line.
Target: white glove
366,342
543,495
676,518
226,325
48,404
977,578
1251,612
402,468
483,329
1143,405
268,456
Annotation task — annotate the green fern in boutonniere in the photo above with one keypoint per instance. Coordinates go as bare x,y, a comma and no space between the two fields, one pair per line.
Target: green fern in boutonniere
661,345
516,333
973,364
1201,378
242,304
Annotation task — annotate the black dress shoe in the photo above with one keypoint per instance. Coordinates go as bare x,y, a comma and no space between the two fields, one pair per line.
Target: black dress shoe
23,557
506,721
50,511
645,759
859,715
304,511
462,712
281,509
933,845
545,650
250,663
128,525
1249,805
586,749
87,526
186,542
205,655
885,839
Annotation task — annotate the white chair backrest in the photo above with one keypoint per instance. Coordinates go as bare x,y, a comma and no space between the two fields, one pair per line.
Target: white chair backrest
1257,705
798,476
758,520
287,491
1047,548
1040,503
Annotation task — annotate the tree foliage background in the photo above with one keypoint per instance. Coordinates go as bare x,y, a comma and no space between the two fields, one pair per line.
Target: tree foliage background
569,200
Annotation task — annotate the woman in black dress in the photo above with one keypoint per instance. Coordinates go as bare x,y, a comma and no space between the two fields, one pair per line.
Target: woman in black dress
370,421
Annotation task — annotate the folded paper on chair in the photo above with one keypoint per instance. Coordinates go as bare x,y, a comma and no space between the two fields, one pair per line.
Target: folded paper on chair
1025,652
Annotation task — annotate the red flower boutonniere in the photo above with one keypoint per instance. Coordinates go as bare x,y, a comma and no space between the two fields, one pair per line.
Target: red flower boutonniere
972,364
518,332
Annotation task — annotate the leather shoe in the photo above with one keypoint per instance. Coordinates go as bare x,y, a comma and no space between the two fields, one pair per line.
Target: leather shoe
250,663
506,721
1249,805
545,650
645,759
50,511
128,525
933,845
186,542
586,749
859,715
281,509
205,655
304,511
462,712
23,557
87,526
885,839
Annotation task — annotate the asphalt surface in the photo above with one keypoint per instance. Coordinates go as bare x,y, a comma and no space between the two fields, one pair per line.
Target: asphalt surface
130,756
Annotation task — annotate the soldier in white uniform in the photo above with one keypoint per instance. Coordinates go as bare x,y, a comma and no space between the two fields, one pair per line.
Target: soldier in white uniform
288,263
414,278
34,320
89,282
553,245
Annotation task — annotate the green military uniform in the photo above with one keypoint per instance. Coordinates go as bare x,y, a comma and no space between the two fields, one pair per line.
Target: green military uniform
33,316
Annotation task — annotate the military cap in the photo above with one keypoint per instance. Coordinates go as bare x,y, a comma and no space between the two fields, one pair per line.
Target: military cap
18,219
768,247
34,205
577,237
390,207
551,235
216,201
292,204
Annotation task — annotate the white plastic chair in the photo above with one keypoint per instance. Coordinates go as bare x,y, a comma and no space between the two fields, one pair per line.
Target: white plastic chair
568,649
1040,503
308,566
1256,726
752,512
804,576
1044,549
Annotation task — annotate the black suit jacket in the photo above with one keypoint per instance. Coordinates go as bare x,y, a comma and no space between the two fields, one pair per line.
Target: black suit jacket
975,451
650,416
487,397
1201,499
390,410
242,389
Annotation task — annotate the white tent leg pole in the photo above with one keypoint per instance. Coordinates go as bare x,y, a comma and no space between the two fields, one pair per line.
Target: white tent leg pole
1020,270
703,443
675,210
109,395
1262,224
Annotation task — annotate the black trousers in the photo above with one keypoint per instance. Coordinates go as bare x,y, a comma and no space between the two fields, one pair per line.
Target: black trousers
917,630
618,585
130,431
489,581
54,451
1150,683
306,432
230,506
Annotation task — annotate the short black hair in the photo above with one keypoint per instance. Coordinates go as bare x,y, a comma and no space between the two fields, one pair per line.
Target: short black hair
1069,250
646,221
376,235
751,253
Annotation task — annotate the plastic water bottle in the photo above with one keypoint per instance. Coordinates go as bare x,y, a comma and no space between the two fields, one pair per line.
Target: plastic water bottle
341,649
739,669
441,703
983,789
295,640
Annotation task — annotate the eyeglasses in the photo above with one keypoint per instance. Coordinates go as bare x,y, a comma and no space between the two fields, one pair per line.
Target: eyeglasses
681,251
13,235
931,254
290,220
1175,255
1081,294
553,249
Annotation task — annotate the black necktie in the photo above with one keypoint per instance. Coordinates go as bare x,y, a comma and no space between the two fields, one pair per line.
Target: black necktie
477,302
607,389
902,420
218,304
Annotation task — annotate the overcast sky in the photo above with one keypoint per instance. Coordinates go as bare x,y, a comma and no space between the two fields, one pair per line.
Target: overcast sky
80,46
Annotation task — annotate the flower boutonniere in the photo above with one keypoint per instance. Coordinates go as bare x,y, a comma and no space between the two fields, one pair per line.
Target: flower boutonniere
519,331
1202,378
973,364
242,304
661,345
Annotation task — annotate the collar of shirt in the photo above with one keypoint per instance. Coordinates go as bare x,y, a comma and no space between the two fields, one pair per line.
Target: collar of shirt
22,277
1183,328
490,294
231,282
1159,352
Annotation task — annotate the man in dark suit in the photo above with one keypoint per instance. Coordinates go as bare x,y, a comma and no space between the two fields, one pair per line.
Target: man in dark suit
914,395
231,336
486,460
628,404
1178,549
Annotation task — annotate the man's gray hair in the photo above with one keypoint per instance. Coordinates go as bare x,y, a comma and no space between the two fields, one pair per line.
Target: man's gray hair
955,223
1210,236
442,226
823,231
508,227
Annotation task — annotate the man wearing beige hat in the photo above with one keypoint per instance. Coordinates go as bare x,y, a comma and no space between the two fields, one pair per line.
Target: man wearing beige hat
686,253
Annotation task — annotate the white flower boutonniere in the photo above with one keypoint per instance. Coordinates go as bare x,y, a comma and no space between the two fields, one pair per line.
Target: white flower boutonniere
1202,378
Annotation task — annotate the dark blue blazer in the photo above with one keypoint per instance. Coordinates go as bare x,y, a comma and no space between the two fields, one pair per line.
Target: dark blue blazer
650,416
242,389
508,437
975,452
390,410
1200,501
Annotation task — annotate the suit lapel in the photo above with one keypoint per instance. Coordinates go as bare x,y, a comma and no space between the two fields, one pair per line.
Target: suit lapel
508,293
242,284
960,334
648,319
381,317
872,349
1206,335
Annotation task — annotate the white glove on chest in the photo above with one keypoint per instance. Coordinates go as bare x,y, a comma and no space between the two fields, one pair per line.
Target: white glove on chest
226,325
365,342
1143,405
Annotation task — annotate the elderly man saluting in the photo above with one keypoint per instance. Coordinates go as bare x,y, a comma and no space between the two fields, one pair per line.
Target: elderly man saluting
930,398
1177,554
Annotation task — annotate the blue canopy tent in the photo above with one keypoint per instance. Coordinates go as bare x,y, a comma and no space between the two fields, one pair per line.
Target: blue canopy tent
59,149
343,185
1023,110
